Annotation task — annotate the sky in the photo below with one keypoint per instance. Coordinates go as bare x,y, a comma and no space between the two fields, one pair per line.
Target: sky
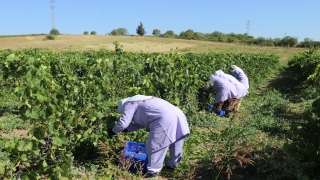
258,18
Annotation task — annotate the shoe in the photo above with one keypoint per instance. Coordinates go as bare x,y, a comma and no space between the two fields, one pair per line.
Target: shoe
151,175
227,115
168,168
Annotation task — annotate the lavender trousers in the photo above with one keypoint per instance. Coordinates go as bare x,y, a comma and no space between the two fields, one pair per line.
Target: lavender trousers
156,159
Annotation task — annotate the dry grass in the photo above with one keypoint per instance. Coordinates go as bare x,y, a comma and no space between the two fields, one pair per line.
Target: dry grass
136,44
19,133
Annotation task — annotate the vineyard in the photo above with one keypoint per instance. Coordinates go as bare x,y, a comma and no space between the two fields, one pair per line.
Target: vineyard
67,101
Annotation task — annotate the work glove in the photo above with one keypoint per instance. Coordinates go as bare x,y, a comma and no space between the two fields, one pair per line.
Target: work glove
111,133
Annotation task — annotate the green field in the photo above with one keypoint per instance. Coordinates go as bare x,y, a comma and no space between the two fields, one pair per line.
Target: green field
67,87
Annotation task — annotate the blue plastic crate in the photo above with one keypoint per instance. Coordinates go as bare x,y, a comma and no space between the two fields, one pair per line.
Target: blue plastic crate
135,157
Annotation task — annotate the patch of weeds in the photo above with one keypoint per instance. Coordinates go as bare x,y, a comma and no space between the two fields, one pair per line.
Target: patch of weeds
11,122
288,85
232,148
269,113
82,172
310,93
271,163
204,119
268,124
272,103
195,148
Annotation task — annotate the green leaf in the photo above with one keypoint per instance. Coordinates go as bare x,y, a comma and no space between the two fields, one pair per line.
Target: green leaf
58,141
37,132
41,98
51,127
31,176
35,82
24,157
99,61
28,146
20,145
79,136
2,167
11,57
44,164
34,115
100,115
29,76
36,152
93,119
27,103
30,60
100,97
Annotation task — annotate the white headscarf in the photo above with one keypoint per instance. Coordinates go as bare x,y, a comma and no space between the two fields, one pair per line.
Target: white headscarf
133,98
233,68
221,74
121,104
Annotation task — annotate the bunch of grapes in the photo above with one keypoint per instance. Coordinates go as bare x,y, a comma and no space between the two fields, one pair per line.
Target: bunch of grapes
69,132
45,148
53,163
19,170
50,162
96,128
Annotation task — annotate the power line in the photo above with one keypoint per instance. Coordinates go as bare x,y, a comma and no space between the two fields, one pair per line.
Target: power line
53,18
248,26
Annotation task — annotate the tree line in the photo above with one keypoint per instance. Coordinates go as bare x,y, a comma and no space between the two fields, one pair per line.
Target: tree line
216,36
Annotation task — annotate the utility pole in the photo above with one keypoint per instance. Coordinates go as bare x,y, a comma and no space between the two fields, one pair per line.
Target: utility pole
53,18
248,27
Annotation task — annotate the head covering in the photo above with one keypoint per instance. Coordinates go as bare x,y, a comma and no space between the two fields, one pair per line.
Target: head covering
133,98
233,67
139,98
220,73
121,104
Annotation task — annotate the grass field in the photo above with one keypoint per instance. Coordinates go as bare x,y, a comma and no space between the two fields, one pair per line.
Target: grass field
136,44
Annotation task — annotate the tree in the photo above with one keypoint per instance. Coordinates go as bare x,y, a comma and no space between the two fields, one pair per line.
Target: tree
169,34
93,33
119,31
86,33
140,30
115,32
156,32
189,34
54,32
123,31
260,41
198,35
50,37
288,41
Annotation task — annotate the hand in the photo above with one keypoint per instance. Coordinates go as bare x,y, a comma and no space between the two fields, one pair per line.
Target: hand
111,133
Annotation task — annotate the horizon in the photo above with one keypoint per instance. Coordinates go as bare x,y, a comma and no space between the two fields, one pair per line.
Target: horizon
268,19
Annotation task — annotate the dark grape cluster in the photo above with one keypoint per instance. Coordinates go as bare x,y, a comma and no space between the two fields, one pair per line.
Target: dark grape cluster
19,170
69,131
50,162
96,128
53,163
58,157
45,148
